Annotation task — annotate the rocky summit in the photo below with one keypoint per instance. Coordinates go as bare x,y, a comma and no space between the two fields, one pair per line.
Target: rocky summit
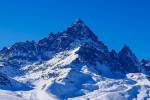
72,64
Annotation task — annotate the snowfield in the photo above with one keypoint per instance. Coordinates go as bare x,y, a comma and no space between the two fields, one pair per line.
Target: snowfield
134,87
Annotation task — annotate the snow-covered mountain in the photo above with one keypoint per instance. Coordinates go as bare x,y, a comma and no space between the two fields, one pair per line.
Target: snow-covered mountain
72,64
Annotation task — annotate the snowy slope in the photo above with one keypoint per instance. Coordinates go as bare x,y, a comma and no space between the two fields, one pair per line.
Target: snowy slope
79,82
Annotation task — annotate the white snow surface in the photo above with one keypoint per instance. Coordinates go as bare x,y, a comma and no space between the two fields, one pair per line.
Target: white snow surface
60,79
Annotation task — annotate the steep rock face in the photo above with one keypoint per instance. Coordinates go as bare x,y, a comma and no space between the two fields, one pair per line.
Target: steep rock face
128,60
91,55
114,62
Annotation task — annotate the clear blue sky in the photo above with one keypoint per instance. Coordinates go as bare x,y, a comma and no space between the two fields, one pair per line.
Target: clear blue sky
115,22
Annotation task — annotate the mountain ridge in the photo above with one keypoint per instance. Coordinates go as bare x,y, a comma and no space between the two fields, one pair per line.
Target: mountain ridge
71,64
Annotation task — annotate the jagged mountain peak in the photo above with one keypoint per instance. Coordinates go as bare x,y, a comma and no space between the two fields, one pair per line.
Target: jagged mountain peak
128,59
126,49
78,34
78,21
127,52
80,29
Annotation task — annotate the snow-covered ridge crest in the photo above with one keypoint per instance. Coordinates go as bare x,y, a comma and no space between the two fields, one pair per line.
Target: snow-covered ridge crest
43,70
